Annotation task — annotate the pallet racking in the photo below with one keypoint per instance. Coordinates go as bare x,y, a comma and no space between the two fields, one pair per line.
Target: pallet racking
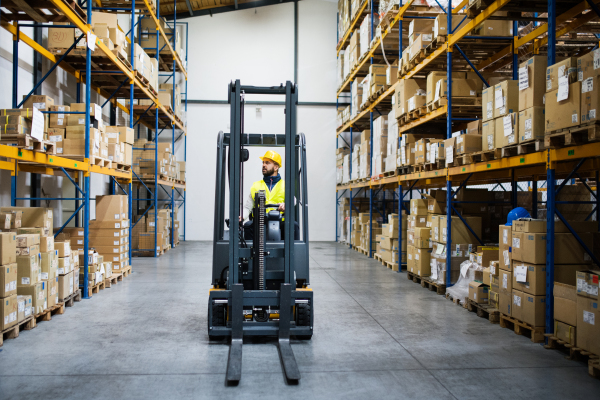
556,166
113,79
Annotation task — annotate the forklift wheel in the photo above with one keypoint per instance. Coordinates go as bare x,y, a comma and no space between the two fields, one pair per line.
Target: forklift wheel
218,318
303,319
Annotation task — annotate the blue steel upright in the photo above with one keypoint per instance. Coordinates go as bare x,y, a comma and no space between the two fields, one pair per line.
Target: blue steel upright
448,136
86,176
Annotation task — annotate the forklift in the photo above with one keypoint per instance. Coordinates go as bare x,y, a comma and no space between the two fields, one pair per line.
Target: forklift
260,274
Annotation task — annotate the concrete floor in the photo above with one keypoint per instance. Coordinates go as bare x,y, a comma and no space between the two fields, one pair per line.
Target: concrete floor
377,336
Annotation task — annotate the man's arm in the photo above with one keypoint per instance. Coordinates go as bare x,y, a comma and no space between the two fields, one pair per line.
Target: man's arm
248,206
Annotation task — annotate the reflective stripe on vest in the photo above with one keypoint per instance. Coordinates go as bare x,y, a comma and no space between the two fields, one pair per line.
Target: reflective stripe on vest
274,196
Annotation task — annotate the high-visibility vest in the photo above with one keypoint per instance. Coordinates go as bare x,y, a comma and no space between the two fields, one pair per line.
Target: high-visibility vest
274,196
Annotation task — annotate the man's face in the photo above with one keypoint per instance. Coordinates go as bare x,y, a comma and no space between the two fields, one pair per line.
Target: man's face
269,167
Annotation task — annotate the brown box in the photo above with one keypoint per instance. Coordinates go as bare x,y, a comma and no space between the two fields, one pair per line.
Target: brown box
8,280
587,283
405,89
418,207
28,270
494,299
565,303
63,248
590,99
27,240
566,332
517,304
440,25
58,120
8,312
487,103
52,296
506,98
124,133
111,208
505,281
566,67
40,102
488,137
33,216
8,248
468,143
505,300
531,124
529,247
588,331
478,292
38,294
460,233
474,127
49,265
533,309
567,249
60,38
23,307
532,74
422,261
506,130
585,66
565,113
65,286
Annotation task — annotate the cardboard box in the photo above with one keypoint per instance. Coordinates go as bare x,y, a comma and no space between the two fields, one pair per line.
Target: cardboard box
590,99
506,281
33,216
505,300
468,143
531,124
566,332
124,134
518,299
532,82
474,128
587,283
488,137
478,292
566,67
38,293
567,249
65,286
585,65
533,310
406,89
565,113
529,225
422,261
494,27
506,130
487,102
27,240
111,208
506,98
42,103
565,303
63,248
52,292
487,276
529,247
460,233
418,207
61,38
8,312
28,270
8,248
440,24
23,308
588,328
49,265
8,280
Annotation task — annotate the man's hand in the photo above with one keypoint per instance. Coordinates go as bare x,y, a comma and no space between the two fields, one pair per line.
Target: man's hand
240,218
281,207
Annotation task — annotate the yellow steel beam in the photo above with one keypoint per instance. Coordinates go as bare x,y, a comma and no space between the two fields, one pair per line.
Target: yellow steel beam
167,41
35,169
502,163
351,28
485,14
7,166
438,173
111,172
462,5
575,152
432,115
41,158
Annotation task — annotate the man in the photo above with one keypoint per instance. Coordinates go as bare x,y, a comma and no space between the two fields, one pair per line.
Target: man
274,188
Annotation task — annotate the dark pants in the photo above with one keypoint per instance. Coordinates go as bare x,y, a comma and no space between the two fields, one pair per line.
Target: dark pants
249,230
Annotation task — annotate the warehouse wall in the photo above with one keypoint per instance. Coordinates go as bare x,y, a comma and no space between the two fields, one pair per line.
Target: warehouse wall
257,47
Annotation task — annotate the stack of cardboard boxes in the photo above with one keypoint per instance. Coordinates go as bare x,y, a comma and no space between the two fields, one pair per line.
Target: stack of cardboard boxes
364,155
144,233
418,235
391,159
380,141
339,164
8,280
588,332
387,242
109,232
144,161
522,263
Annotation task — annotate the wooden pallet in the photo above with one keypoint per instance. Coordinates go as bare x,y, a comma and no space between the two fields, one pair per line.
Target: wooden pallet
112,280
457,102
94,160
536,334
377,257
435,43
393,266
124,60
433,286
69,301
405,170
126,271
573,136
479,156
413,277
122,167
484,311
458,302
94,289
594,368
27,142
47,314
13,332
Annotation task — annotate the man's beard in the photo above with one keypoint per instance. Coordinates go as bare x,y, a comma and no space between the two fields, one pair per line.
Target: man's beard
268,172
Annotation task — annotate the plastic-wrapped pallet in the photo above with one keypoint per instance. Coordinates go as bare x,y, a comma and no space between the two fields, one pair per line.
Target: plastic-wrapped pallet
366,33
380,140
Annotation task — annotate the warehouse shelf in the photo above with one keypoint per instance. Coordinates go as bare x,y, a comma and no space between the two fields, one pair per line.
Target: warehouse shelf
360,15
162,182
103,72
464,52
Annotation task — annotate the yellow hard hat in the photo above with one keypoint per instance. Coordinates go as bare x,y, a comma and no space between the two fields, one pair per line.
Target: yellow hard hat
271,155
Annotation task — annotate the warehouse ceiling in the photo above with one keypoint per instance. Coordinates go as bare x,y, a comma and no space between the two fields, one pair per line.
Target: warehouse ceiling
194,8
